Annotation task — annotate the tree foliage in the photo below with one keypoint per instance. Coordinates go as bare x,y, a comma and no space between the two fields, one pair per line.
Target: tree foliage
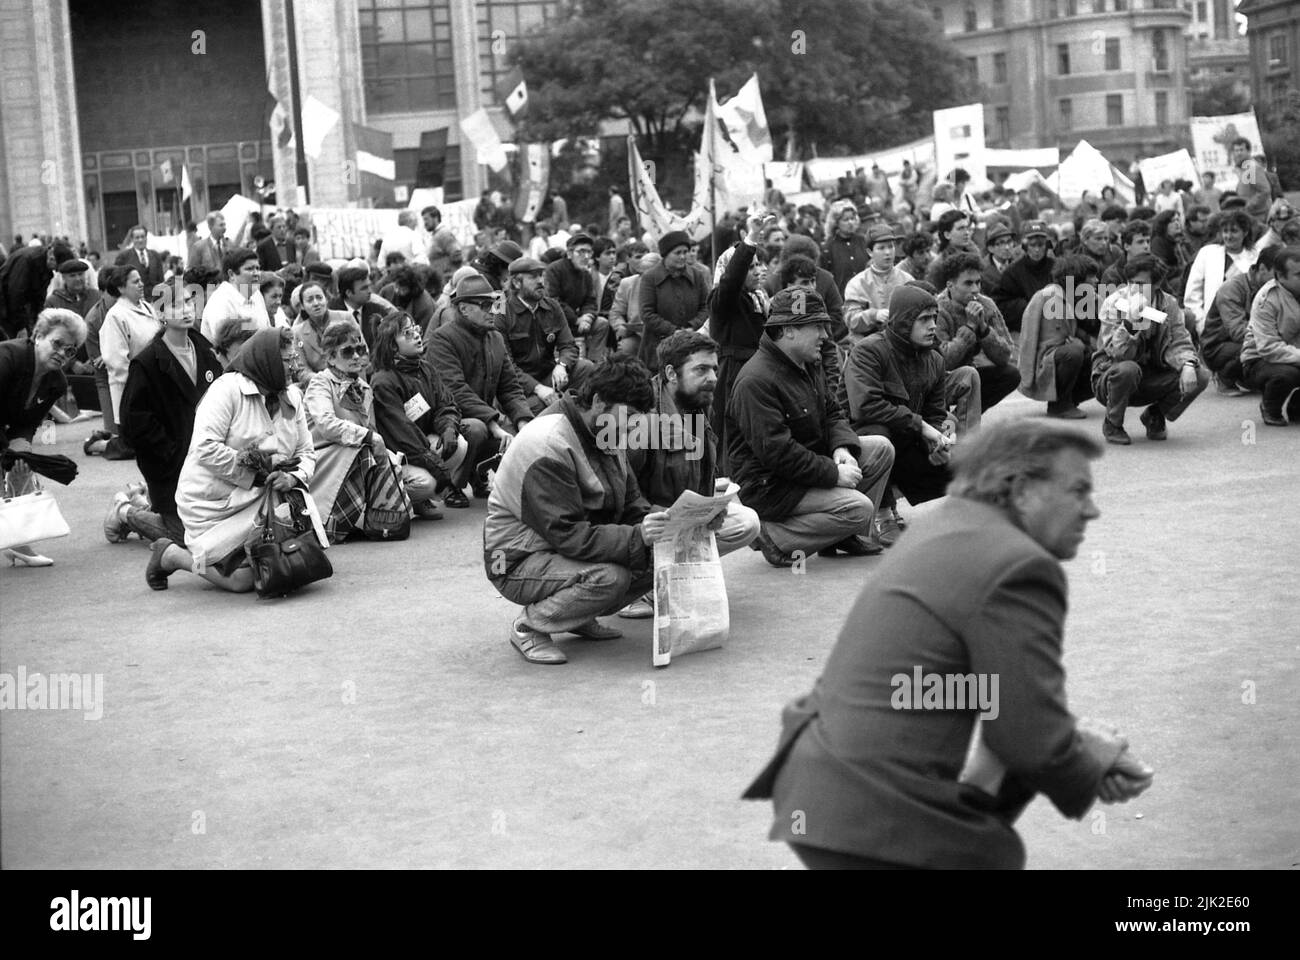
1218,99
837,75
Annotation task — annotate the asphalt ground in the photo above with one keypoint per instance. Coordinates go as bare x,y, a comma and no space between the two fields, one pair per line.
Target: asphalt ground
381,718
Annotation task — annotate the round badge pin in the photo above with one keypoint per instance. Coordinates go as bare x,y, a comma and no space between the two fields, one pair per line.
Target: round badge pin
208,375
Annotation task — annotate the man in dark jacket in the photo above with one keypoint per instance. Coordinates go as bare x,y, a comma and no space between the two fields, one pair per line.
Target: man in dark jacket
684,454
673,297
811,478
571,283
972,332
1227,320
539,339
896,382
1026,276
73,295
138,256
1000,244
970,612
472,359
24,278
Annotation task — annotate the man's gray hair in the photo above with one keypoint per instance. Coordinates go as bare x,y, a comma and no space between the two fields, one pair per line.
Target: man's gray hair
987,464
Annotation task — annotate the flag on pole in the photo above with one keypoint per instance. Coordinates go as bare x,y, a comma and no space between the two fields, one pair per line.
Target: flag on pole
654,216
376,168
318,119
745,123
513,92
186,187
478,129
725,180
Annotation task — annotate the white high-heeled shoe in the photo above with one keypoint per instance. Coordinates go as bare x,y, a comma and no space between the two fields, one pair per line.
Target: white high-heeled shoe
27,559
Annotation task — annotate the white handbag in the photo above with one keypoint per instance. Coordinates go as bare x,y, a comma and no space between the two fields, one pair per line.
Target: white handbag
29,518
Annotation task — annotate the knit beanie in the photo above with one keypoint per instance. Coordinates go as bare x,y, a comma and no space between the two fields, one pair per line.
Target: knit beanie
672,240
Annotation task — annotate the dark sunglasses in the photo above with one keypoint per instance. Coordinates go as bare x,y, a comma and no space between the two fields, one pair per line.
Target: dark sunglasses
354,351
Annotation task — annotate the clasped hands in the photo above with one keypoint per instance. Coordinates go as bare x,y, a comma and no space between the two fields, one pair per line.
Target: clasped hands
850,474
1128,776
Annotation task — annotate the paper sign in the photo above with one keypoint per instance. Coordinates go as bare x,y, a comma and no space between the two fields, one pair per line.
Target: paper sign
416,407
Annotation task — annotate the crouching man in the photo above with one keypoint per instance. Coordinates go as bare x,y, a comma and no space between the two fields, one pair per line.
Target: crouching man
568,534
814,482
682,452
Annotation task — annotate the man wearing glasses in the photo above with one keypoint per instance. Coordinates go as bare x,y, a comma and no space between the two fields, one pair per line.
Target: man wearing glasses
572,283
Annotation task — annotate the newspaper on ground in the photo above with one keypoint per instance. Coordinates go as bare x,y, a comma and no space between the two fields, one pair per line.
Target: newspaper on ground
690,597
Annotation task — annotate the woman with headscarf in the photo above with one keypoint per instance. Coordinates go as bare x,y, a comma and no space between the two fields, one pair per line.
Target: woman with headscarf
31,382
250,433
353,471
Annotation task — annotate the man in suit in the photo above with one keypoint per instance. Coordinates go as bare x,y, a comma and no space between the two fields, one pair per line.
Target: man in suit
275,251
941,710
208,253
139,257
354,298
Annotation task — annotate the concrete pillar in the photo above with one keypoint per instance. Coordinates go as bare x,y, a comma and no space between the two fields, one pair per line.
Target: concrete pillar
329,69
464,54
275,37
40,146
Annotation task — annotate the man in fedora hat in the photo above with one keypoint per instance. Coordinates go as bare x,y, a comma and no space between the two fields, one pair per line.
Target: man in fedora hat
472,359
541,344
813,481
866,297
1000,253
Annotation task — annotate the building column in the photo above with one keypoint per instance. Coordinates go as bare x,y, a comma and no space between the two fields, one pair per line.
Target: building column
275,42
464,55
329,70
40,145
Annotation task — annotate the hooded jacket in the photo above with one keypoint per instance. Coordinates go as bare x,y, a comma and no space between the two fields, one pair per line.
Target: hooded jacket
893,383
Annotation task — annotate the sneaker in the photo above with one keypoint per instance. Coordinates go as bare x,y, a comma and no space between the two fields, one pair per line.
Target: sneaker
888,528
1115,434
138,494
427,510
115,528
535,647
641,609
1154,420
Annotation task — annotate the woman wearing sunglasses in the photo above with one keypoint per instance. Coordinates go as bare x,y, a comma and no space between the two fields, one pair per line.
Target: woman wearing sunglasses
353,471
31,382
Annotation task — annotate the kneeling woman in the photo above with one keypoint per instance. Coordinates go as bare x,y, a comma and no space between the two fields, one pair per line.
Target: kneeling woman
354,475
417,413
250,419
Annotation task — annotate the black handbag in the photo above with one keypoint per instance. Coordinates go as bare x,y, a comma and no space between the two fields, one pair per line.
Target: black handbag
286,553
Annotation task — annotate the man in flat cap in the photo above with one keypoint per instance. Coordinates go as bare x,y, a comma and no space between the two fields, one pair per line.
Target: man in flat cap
538,335
72,293
573,285
813,481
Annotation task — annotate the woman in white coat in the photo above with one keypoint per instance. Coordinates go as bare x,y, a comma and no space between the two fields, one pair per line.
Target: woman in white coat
129,326
1217,262
250,432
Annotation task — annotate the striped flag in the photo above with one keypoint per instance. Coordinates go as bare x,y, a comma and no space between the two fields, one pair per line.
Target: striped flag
376,169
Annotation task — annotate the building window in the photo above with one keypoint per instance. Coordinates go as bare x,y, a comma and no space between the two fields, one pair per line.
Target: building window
999,13
971,25
1063,59
1052,11
1098,6
937,13
1112,53
1067,114
999,68
973,69
1279,95
1002,121
1159,51
1162,108
1114,110
1201,12
406,64
1071,8
508,19
1121,6
1277,50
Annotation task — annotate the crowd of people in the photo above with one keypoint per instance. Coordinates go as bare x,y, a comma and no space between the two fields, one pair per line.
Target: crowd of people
830,364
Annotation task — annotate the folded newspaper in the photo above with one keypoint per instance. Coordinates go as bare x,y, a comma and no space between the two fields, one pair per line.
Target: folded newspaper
690,597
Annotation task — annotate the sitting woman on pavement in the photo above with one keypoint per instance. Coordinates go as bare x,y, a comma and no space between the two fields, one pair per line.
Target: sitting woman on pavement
311,325
31,382
353,471
416,413
250,432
